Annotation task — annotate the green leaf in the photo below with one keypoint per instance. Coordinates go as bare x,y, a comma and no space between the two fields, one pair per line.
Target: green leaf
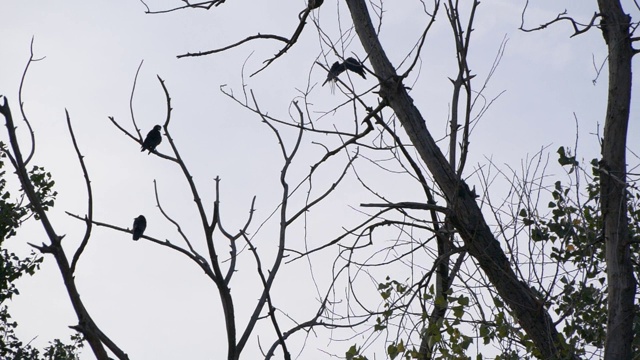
392,350
563,159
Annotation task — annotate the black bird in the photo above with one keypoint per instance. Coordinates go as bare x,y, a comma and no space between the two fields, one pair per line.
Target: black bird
153,139
139,224
354,65
314,4
336,69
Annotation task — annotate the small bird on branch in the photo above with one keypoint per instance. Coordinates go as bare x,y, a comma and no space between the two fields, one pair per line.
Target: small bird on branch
354,65
338,68
139,225
153,139
314,4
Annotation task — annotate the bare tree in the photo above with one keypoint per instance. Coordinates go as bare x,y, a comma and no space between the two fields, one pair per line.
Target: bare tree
455,261
220,269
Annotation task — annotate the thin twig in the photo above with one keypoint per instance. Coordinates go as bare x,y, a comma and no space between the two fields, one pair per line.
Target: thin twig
89,216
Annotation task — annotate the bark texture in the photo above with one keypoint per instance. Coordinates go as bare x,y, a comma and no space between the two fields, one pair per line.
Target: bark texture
615,26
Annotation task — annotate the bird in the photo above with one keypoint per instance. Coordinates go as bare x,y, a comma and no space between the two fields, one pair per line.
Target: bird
153,139
139,224
314,4
354,65
336,69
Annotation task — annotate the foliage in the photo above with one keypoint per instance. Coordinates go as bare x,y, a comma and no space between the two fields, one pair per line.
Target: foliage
575,231
10,212
12,267
43,184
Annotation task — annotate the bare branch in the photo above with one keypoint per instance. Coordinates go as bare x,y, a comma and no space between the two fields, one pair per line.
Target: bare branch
410,205
288,158
247,39
89,216
317,200
166,243
175,223
138,139
578,28
267,294
133,90
24,115
199,5
289,42
423,37
180,162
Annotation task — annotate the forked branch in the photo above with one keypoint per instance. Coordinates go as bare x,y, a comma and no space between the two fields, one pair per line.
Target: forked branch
578,28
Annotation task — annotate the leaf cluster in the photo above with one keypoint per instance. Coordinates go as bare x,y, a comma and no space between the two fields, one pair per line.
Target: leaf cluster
574,230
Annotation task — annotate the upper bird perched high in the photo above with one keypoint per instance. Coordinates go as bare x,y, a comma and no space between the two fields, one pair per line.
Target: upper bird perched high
153,139
354,65
338,68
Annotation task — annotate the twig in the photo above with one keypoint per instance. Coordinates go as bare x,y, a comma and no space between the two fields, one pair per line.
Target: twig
89,216
133,90
410,205
576,25
24,115
175,223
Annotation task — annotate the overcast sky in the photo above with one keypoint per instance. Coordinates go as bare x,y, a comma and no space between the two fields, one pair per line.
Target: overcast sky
153,302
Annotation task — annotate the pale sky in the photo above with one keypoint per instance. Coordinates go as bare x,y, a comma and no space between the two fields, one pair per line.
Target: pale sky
154,303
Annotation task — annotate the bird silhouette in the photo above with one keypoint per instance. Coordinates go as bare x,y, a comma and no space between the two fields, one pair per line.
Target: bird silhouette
354,65
336,69
314,4
153,139
139,225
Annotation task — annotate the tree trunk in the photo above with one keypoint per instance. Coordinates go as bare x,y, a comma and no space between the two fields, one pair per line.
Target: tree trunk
622,286
466,216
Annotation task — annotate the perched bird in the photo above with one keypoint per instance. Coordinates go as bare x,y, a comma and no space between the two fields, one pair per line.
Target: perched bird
153,139
354,65
336,69
314,4
139,224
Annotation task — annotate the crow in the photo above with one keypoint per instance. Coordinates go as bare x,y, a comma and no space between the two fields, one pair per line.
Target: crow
336,69
153,139
354,65
314,4
139,224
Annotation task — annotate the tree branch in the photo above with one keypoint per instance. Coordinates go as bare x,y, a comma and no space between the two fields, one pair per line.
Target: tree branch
89,216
